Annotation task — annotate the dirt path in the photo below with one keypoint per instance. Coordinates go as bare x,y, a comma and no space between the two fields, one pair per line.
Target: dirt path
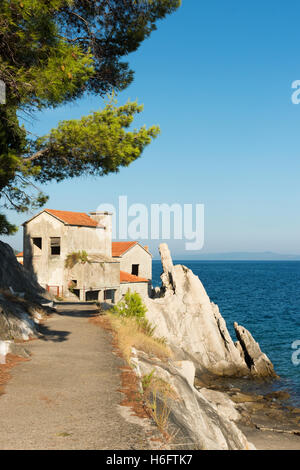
66,396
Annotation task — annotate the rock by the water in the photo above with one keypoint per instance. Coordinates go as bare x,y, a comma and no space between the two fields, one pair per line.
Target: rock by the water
202,421
193,325
258,363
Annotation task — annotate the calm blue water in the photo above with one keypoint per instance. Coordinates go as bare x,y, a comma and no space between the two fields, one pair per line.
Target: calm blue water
264,297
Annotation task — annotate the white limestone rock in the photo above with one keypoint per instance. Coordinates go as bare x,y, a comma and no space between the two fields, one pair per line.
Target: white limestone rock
196,422
258,363
192,324
222,403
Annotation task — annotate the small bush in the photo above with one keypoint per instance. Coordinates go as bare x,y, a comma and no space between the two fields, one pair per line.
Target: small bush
76,257
146,380
132,307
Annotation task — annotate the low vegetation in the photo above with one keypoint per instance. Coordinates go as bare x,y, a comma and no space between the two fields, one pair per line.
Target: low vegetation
156,395
76,257
128,320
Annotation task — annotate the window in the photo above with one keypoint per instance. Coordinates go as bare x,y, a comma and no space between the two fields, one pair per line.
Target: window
109,294
135,269
55,245
92,295
37,245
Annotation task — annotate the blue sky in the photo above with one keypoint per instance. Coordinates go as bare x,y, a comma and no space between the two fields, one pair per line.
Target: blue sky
216,76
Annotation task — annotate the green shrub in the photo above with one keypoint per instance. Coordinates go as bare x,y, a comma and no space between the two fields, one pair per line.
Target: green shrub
76,257
132,307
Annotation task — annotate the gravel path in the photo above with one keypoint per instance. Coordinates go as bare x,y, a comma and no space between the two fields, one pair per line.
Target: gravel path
66,396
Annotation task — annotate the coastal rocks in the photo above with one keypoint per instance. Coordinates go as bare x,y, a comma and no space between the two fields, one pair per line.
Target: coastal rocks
194,420
193,325
258,363
222,402
281,395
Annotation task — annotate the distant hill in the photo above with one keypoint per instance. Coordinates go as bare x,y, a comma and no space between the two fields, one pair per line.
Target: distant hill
237,256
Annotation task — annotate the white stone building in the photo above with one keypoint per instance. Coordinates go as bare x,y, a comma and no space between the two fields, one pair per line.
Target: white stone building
111,267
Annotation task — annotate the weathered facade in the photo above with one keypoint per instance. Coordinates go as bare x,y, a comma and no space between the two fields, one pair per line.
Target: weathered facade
52,235
136,260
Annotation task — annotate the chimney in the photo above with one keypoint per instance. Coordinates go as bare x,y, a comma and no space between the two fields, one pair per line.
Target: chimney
104,219
146,247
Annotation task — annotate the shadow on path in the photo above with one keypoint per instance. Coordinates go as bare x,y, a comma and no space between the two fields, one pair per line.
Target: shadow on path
57,336
81,309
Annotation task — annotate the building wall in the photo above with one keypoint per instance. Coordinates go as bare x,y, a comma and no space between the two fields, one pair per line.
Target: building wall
95,275
93,240
137,255
48,268
139,287
105,219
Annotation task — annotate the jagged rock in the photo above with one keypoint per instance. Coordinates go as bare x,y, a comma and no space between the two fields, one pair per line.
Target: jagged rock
187,369
193,420
192,324
259,364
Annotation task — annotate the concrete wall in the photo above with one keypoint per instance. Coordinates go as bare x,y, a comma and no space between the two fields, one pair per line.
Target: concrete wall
105,219
93,240
95,275
49,269
139,287
137,255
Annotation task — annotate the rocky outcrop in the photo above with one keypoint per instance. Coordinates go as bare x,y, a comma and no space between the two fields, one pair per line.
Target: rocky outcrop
258,363
13,274
192,324
21,298
198,420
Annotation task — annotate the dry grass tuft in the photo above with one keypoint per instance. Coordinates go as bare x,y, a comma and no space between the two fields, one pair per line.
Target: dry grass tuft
130,335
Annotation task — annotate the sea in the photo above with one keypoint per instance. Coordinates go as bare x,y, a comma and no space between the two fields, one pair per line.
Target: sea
264,297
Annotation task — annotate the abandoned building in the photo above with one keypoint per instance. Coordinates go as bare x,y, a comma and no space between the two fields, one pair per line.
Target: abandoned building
109,270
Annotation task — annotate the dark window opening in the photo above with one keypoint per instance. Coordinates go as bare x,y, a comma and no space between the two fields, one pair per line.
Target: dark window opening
55,245
37,245
77,293
109,294
135,269
92,295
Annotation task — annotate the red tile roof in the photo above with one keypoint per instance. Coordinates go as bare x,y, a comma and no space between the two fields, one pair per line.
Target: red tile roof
126,277
119,248
20,255
74,218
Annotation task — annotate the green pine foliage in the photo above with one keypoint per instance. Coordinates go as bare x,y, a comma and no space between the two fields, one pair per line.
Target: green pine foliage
53,52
